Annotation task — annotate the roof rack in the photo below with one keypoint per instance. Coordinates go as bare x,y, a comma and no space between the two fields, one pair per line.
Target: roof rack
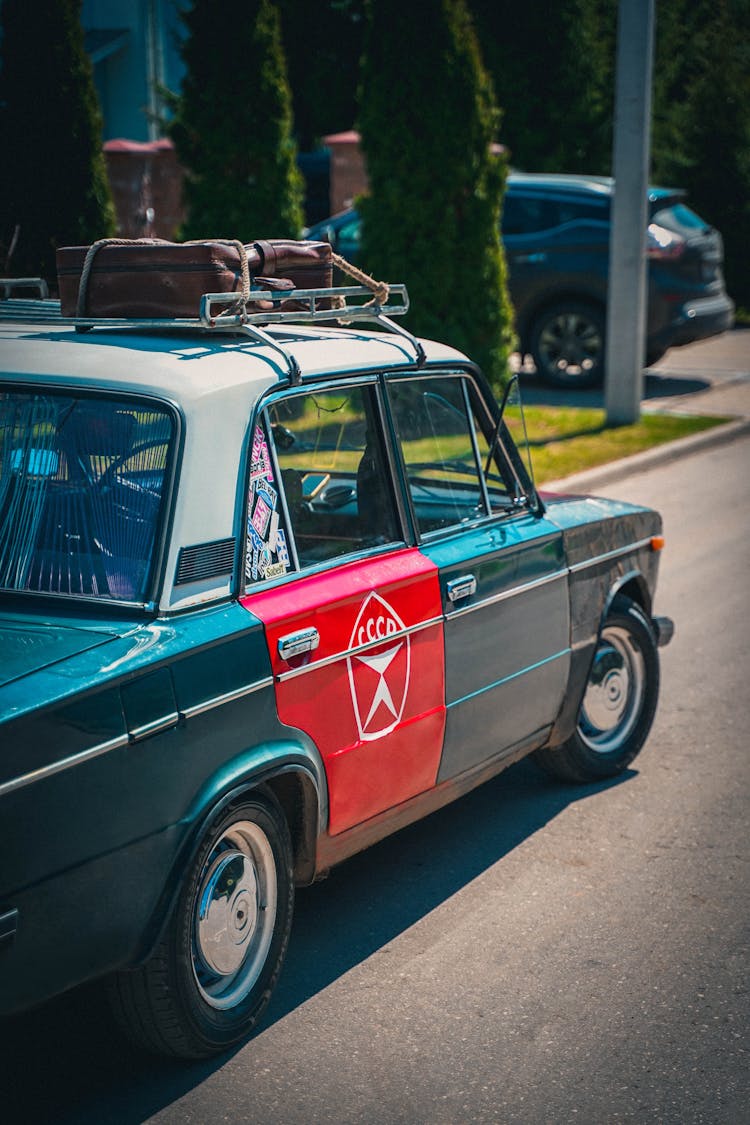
220,312
10,285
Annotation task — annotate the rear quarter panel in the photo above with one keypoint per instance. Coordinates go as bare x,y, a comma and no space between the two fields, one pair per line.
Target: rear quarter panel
88,852
608,548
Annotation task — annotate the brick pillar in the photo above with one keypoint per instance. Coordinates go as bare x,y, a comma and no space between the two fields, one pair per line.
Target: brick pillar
146,181
348,174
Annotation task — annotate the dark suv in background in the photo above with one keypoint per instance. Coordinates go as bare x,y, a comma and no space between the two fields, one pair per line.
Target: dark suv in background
555,230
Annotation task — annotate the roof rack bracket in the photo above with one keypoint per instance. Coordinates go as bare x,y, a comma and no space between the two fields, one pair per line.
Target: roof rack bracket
293,368
418,349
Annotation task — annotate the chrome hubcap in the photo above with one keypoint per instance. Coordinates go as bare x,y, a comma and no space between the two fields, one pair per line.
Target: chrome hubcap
614,694
570,343
235,913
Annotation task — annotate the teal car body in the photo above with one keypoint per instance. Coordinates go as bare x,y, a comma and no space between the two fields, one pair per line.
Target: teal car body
256,616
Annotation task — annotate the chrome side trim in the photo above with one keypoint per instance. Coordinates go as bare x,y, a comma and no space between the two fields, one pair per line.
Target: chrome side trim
136,735
164,723
504,594
616,554
509,679
346,653
228,697
64,764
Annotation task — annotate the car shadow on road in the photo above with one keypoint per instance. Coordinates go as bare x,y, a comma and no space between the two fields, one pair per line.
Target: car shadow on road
67,1062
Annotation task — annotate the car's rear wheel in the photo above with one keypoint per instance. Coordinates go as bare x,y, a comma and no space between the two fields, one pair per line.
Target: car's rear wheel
567,344
619,702
210,978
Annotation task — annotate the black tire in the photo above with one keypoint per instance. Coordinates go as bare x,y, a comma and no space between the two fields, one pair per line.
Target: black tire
619,702
567,344
210,978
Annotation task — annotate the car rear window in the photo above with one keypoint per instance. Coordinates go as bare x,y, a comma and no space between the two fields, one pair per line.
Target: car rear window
526,214
680,219
82,481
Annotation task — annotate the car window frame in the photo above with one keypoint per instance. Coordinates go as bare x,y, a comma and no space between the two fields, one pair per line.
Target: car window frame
510,472
298,569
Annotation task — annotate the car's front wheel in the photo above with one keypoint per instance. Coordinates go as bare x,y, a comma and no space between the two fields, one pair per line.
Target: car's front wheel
567,344
619,702
212,975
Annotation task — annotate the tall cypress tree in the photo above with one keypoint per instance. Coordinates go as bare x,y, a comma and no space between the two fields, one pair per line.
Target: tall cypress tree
54,189
428,120
233,124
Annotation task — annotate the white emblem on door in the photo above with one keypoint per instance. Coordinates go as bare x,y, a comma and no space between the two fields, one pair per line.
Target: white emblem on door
379,677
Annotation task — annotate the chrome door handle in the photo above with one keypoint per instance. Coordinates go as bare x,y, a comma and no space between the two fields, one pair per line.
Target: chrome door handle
462,587
294,644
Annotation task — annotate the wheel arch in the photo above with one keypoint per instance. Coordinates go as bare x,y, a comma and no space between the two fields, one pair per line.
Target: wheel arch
632,585
569,754
293,774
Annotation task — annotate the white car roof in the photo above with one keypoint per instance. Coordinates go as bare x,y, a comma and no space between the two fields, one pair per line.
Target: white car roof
187,366
214,379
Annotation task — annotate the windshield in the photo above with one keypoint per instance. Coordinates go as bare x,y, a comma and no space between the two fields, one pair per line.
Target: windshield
81,490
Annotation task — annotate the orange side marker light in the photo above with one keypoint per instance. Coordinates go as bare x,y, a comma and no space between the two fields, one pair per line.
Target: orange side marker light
657,542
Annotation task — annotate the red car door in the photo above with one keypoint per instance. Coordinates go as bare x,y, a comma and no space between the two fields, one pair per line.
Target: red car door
371,693
356,645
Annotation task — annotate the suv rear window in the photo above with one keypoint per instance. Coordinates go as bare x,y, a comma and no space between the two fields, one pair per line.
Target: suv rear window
680,219
525,214
81,489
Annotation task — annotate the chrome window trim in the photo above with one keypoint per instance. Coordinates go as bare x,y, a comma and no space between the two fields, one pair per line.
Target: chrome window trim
615,554
505,594
265,584
345,654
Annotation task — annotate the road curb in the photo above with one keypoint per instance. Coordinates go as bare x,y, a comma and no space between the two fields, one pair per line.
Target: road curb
650,459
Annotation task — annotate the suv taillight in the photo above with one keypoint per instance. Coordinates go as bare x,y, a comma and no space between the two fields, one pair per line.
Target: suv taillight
663,243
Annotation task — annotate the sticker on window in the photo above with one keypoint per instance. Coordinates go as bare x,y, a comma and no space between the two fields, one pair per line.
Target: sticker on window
267,552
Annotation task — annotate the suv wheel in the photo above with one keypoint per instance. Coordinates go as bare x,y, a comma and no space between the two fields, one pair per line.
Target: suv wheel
567,344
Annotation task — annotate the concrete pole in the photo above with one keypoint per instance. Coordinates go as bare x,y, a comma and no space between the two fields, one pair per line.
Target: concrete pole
626,305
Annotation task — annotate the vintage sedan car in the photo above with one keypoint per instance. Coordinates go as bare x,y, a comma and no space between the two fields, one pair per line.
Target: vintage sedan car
268,594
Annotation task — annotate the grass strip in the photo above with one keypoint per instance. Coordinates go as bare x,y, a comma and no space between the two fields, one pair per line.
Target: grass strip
566,440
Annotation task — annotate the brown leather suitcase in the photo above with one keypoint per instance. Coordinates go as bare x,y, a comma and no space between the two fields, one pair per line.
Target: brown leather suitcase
152,278
308,264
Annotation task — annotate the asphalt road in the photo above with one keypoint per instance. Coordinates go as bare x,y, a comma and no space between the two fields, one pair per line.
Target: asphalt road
534,953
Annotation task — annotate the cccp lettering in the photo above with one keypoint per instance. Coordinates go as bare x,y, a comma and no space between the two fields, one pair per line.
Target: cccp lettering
376,629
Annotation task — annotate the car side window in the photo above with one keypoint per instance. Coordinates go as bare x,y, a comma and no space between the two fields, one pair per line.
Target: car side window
438,443
329,467
530,214
523,214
